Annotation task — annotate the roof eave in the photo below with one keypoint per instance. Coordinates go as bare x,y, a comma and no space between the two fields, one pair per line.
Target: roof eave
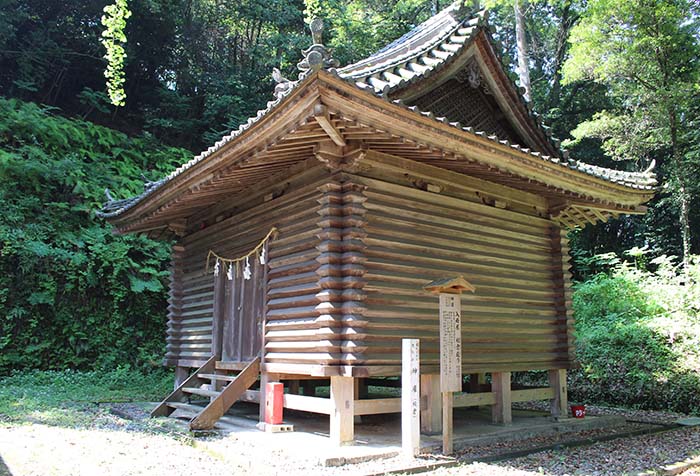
302,97
336,93
515,155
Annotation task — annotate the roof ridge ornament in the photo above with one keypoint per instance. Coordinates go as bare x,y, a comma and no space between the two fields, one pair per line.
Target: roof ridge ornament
316,56
283,85
463,8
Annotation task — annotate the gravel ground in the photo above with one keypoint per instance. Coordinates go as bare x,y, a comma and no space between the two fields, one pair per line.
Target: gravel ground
648,416
121,440
505,447
618,457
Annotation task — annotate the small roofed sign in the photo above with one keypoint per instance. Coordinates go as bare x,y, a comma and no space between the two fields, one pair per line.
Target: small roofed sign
449,291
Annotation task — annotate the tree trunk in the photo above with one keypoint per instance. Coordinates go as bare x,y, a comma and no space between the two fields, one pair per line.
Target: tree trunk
685,225
567,21
521,43
683,195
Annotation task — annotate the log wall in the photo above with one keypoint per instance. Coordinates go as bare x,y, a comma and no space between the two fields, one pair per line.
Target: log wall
518,319
346,271
292,279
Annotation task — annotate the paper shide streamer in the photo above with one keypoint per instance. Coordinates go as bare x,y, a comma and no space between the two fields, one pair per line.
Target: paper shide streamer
232,264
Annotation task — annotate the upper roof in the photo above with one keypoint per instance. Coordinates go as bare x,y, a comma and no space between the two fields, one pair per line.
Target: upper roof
426,54
426,37
437,49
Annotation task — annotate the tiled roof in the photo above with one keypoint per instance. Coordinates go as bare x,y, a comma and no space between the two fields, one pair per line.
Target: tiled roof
638,180
416,54
426,50
420,50
413,56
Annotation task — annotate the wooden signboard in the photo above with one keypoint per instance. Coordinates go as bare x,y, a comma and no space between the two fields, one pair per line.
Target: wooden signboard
450,343
449,290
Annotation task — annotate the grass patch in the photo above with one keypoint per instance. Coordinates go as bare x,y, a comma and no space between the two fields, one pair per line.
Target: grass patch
73,398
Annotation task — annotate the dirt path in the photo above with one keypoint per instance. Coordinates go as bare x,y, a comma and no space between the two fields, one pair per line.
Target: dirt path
46,451
128,443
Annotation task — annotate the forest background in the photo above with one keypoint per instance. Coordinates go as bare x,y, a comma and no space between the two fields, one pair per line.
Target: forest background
617,80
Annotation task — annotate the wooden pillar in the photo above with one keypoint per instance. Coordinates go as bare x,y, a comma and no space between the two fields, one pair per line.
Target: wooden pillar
356,396
219,313
431,404
342,429
181,374
309,388
362,388
294,387
501,411
560,403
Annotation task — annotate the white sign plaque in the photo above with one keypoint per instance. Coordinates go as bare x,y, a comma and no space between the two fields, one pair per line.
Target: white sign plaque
450,343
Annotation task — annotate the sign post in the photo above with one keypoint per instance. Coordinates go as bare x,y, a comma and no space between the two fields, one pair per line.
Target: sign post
449,291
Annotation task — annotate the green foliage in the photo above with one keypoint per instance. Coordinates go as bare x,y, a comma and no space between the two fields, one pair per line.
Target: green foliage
68,398
72,294
114,21
638,337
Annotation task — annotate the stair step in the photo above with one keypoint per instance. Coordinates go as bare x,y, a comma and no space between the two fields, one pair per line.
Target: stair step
235,366
201,391
218,377
229,422
188,407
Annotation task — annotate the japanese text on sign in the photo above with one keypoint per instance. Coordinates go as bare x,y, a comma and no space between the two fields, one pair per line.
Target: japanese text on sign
450,343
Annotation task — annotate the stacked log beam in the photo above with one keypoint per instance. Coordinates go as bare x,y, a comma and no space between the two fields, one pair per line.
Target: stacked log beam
175,302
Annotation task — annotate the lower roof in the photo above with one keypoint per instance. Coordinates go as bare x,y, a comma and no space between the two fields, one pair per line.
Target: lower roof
287,132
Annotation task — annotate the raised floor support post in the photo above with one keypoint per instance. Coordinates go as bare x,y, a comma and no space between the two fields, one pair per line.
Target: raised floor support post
357,395
181,374
501,411
294,387
309,388
560,403
476,381
342,429
431,404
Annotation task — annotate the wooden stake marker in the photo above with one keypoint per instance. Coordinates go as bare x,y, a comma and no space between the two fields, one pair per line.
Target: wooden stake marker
449,291
410,397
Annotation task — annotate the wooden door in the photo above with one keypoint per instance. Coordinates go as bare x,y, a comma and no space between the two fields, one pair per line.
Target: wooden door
238,314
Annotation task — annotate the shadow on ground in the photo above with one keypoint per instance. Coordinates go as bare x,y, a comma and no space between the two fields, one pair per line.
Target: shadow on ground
4,470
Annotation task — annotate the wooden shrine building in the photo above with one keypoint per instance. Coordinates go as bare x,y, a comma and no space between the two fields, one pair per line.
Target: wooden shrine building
303,239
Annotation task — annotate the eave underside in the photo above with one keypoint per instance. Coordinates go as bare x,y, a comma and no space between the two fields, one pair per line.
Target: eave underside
299,148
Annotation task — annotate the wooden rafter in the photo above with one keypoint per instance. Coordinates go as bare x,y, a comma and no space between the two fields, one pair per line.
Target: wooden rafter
323,118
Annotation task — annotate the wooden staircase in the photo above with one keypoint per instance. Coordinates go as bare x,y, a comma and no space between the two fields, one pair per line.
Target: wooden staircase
220,401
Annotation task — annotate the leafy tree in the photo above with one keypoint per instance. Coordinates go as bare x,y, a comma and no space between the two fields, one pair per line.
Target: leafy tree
646,53
114,21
